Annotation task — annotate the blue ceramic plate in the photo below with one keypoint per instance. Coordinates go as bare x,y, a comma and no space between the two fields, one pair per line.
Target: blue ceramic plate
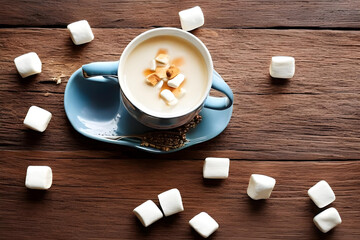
94,109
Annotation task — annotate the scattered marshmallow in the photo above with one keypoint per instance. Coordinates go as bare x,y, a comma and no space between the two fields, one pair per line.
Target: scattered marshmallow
148,213
327,219
38,177
159,84
28,64
153,65
204,224
176,81
191,18
282,67
321,194
171,202
260,186
80,32
37,119
216,168
168,96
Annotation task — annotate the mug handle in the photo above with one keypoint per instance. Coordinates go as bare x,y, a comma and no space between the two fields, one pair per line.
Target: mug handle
219,103
109,70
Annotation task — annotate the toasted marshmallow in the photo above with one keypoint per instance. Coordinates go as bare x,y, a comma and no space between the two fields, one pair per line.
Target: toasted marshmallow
172,72
161,72
168,96
152,79
28,64
191,18
176,81
162,58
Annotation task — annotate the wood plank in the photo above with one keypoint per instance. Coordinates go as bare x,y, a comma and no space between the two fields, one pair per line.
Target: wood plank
93,197
218,14
311,117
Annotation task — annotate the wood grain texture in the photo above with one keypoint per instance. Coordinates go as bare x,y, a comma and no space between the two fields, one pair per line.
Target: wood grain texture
314,116
218,14
93,198
298,131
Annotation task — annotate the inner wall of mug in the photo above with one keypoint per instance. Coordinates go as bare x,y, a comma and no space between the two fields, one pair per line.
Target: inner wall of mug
165,32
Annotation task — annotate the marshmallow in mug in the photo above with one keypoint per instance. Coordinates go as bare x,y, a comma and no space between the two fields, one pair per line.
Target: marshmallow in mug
153,65
171,202
38,177
260,186
80,32
216,168
327,220
176,81
159,84
204,224
321,194
282,67
168,96
28,64
191,18
37,119
182,92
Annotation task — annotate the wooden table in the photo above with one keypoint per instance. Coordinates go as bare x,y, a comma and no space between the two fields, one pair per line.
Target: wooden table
298,131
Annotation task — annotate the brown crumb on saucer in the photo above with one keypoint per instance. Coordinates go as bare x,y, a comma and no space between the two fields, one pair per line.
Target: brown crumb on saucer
170,139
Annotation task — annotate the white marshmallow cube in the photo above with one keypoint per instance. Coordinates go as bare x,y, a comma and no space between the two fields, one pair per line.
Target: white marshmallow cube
148,213
260,186
80,32
28,64
204,224
176,81
182,92
37,119
327,219
282,67
191,18
153,65
171,202
216,168
38,177
159,84
321,194
168,96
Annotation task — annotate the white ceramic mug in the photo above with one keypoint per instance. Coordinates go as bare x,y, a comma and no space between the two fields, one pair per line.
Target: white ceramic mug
147,116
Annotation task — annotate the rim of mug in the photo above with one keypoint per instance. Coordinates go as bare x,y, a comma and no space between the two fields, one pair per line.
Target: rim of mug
168,31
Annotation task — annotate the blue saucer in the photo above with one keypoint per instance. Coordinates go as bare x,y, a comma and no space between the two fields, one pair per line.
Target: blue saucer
94,109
